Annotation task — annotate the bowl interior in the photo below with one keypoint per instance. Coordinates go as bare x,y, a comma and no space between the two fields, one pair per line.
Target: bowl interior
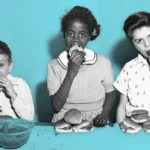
14,132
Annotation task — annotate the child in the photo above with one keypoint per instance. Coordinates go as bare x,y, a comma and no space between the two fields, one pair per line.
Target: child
134,80
15,95
79,78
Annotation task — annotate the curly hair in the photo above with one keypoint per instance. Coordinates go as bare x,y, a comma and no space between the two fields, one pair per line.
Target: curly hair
135,21
4,49
85,15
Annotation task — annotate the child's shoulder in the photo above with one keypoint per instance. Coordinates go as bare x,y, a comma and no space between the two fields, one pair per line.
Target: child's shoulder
53,62
131,63
16,80
103,59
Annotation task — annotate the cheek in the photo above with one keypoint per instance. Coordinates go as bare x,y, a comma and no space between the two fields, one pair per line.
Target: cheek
67,40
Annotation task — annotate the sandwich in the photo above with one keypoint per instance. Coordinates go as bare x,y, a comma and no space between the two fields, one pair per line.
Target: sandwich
75,47
5,117
73,116
62,126
140,116
132,127
146,126
84,126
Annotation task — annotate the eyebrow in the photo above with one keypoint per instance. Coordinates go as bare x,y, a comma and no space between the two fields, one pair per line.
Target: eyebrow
2,60
137,39
79,31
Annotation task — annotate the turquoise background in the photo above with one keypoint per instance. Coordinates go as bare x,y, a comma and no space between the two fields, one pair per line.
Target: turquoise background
31,28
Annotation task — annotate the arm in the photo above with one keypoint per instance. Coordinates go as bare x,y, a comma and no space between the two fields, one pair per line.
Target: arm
121,108
23,104
60,97
108,103
20,98
101,120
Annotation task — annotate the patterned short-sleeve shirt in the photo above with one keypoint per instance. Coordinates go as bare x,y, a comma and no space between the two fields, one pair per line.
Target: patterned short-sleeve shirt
134,82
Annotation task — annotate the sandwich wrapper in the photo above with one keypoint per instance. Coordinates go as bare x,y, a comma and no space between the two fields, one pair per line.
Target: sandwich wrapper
72,121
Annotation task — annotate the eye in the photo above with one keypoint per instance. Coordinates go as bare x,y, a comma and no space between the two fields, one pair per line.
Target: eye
70,34
82,35
1,64
139,41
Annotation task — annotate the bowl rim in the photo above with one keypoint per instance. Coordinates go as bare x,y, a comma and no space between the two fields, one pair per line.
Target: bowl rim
31,122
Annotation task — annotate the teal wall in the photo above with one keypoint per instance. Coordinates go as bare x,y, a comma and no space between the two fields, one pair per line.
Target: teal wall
32,30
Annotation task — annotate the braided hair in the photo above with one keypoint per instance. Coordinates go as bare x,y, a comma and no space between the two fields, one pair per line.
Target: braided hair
85,15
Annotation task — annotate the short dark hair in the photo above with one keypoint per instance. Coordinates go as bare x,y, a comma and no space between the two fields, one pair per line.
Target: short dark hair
85,15
4,49
135,21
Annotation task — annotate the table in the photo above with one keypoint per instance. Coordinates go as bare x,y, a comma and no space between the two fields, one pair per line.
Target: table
44,137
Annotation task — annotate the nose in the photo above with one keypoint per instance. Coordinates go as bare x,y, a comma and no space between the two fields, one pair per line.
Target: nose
76,38
147,43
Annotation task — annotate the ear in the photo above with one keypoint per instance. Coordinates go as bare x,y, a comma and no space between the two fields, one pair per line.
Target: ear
10,66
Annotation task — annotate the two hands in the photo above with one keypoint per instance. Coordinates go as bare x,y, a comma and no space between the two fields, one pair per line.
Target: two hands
7,87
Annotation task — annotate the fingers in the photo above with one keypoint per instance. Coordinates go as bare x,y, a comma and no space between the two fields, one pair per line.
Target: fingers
100,121
4,82
78,57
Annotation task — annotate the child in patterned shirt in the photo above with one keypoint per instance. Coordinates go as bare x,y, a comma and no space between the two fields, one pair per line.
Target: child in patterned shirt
134,80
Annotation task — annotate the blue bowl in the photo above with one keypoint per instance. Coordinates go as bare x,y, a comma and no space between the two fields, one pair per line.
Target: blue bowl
15,133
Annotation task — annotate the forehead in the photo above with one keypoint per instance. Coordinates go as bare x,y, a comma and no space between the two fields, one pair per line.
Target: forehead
141,32
3,57
77,25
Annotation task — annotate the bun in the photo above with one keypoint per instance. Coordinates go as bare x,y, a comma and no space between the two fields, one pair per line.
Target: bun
140,111
84,126
79,48
133,127
73,116
146,126
62,126
140,116
5,117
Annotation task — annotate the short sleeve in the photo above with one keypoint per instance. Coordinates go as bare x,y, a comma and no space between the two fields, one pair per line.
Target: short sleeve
53,82
108,77
121,83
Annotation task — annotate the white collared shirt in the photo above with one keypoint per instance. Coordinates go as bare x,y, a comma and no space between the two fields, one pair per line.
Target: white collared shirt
22,106
134,82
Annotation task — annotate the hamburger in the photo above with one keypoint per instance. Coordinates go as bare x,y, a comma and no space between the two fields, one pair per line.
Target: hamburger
62,126
5,117
132,127
75,47
84,126
140,116
73,116
146,126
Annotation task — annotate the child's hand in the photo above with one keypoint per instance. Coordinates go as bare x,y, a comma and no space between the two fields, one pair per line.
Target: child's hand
75,61
7,85
100,120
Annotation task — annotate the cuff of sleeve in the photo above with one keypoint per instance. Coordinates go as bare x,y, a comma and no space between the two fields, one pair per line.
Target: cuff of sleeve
108,88
120,89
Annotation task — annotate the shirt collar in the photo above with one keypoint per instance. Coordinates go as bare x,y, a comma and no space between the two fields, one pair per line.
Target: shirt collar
141,59
12,79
